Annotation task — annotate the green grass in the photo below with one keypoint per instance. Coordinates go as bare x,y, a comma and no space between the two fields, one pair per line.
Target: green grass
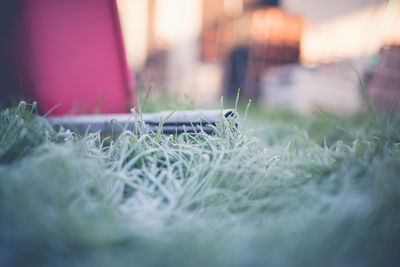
284,190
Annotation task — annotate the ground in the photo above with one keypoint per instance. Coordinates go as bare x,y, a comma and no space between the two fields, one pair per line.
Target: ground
282,190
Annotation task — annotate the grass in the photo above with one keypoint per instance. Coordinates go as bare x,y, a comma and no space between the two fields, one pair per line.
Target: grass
284,190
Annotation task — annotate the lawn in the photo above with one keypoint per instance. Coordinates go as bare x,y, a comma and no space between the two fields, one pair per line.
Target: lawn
282,190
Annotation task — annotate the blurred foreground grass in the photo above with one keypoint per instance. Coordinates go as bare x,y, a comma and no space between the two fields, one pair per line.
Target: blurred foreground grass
284,190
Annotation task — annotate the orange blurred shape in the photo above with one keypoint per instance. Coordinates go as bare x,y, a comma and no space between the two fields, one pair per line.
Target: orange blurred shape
275,26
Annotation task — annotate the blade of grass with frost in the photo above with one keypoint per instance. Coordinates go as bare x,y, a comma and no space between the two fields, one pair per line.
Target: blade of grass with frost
365,93
160,126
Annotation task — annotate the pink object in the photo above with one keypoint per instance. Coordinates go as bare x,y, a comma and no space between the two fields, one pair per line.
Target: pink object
72,54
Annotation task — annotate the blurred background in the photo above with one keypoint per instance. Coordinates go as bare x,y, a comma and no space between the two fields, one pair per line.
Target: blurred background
298,55
280,53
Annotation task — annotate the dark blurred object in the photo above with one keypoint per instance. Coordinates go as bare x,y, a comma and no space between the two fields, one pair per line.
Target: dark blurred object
8,11
235,71
262,3
384,86
9,80
270,2
180,121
